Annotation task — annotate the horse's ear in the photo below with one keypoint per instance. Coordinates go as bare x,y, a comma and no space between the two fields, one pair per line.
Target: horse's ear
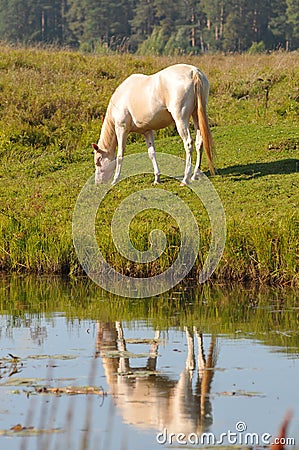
97,149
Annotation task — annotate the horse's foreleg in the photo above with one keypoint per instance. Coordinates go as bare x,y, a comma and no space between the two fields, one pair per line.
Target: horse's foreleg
121,135
199,148
152,360
149,139
119,160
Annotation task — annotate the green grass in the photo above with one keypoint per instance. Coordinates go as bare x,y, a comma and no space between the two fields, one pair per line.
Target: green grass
51,109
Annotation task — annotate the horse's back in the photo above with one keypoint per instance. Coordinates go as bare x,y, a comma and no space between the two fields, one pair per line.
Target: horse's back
145,102
168,79
178,70
179,73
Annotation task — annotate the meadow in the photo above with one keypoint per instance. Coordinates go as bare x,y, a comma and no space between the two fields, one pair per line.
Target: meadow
52,104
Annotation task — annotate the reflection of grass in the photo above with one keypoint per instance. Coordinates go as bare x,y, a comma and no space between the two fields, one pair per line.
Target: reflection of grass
47,126
269,314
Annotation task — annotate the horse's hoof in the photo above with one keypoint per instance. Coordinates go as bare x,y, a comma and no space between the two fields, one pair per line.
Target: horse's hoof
196,176
183,184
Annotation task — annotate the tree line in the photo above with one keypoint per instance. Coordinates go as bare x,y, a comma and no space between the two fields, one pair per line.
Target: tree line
153,26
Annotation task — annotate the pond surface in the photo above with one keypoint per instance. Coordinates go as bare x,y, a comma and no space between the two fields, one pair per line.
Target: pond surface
187,369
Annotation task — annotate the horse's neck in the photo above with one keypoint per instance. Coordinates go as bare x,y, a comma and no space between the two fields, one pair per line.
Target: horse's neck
107,140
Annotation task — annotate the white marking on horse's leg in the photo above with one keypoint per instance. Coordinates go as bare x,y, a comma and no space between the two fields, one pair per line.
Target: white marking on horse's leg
152,360
149,139
124,364
190,362
119,160
121,135
199,148
120,336
201,363
157,335
184,132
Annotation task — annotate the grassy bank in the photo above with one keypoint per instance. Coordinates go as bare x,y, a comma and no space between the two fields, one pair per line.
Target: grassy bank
51,109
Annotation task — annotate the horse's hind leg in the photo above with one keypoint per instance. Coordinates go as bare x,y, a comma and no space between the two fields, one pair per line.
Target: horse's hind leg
149,139
184,132
199,149
190,362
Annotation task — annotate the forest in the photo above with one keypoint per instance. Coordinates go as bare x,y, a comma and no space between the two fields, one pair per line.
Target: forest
158,27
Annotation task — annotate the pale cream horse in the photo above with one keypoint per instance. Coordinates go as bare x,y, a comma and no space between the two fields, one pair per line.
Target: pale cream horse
150,399
142,104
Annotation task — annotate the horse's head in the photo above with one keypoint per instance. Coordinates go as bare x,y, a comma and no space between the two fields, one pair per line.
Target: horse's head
103,164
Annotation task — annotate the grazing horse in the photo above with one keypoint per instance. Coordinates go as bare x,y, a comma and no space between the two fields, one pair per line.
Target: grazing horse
149,398
142,104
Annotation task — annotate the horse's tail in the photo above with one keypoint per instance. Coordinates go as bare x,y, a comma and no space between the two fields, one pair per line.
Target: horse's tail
202,118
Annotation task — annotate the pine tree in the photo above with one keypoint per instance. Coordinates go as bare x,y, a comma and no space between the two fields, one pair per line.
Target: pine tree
106,23
19,20
259,18
292,13
245,24
215,11
51,21
278,24
143,21
167,15
33,21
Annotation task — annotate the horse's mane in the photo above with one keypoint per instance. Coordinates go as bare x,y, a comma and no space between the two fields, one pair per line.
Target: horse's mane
108,137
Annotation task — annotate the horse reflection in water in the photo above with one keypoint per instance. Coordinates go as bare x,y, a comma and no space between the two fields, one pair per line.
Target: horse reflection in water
150,399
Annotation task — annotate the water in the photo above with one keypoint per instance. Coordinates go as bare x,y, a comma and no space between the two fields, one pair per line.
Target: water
193,367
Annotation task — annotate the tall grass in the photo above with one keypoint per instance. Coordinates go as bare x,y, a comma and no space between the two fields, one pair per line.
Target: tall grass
52,105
